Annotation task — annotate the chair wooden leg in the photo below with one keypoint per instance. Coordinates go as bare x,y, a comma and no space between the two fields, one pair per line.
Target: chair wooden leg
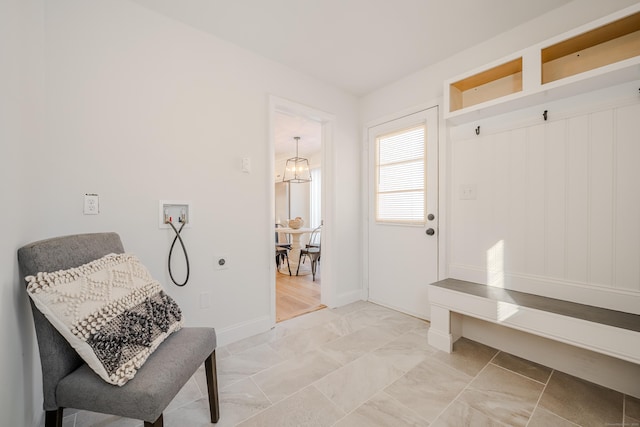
212,386
53,418
157,423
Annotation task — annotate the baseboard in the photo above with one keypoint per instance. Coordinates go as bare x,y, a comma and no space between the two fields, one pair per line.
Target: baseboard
440,340
426,315
243,330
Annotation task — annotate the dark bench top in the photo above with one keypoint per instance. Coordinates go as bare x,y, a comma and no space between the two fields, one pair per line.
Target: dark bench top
590,313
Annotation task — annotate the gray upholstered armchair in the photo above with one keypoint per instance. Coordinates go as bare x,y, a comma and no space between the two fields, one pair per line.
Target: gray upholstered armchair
69,383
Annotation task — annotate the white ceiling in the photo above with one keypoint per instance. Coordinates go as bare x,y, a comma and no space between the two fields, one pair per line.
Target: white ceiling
286,127
356,45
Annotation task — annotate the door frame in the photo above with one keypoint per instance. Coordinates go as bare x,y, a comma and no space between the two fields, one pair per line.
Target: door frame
328,125
443,196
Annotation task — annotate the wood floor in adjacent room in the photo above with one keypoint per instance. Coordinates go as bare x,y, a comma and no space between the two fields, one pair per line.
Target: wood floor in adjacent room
296,295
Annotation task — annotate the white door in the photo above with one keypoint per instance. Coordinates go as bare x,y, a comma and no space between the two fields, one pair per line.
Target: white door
403,211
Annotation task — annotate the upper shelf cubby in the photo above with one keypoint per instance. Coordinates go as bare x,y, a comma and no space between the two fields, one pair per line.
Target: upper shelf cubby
607,44
603,53
495,82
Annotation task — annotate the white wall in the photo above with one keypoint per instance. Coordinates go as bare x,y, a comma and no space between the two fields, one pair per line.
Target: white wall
110,98
142,108
21,86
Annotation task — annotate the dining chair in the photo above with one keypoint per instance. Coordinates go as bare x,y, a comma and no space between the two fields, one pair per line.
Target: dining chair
68,382
312,250
282,251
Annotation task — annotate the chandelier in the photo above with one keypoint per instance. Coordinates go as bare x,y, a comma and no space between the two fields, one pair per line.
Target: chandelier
297,168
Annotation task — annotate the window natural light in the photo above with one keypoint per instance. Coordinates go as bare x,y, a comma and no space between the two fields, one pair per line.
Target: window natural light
400,178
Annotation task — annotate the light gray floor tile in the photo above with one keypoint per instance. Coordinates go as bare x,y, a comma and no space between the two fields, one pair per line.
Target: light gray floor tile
316,318
631,422
295,374
307,407
350,308
194,414
582,402
249,362
237,402
354,345
428,388
523,367
68,421
393,378
382,411
399,323
241,401
351,385
406,351
352,322
266,337
503,395
200,378
543,418
189,393
632,407
467,356
94,419
222,353
460,414
302,341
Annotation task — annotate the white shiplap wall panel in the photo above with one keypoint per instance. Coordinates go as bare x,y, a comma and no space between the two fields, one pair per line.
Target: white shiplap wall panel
465,211
627,197
557,209
535,202
555,198
601,201
515,257
577,214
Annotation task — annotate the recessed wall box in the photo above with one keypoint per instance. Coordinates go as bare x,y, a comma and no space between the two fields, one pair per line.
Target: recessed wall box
178,212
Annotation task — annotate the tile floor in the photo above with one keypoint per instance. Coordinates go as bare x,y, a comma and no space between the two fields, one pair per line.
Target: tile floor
365,365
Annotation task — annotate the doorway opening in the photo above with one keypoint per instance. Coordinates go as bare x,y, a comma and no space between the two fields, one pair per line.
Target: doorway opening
298,207
302,270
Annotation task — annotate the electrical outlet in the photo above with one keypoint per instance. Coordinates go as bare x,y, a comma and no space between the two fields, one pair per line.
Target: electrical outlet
91,204
221,262
468,192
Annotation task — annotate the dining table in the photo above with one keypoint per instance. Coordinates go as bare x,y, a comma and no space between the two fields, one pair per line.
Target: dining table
294,253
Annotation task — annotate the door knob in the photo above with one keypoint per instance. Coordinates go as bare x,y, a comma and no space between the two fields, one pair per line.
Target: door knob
430,231
431,217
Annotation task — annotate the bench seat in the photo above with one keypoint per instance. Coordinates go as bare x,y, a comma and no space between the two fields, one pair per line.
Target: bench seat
605,331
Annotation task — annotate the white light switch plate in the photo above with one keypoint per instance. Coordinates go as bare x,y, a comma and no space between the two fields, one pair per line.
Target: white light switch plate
246,165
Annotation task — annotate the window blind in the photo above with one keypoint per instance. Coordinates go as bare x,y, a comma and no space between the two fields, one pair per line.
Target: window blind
400,183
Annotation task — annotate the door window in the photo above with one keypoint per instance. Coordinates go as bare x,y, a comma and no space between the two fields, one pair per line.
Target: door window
400,177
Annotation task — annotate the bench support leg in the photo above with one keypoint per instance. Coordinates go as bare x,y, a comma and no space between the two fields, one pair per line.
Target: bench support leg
445,329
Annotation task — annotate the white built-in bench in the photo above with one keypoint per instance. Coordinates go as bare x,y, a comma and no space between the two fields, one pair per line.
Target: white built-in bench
605,331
